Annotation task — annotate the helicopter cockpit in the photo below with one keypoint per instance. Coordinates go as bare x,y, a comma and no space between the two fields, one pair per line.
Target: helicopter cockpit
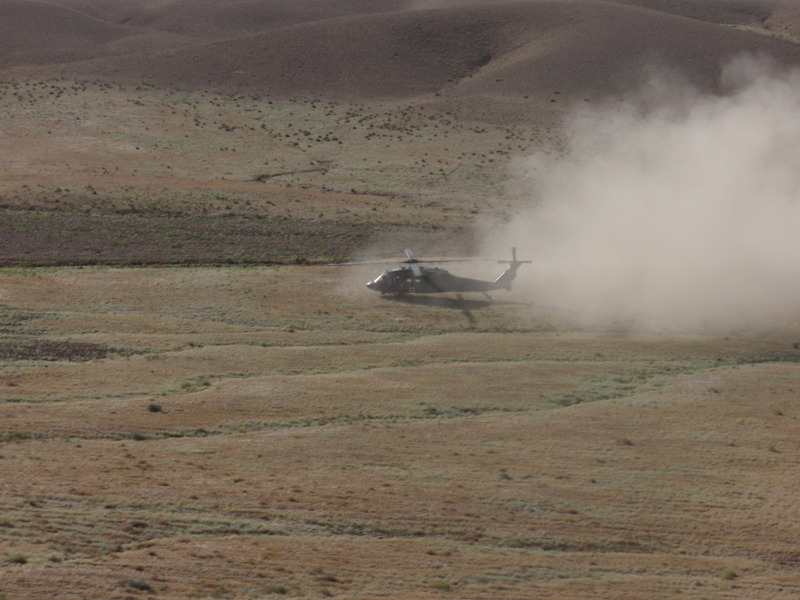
393,282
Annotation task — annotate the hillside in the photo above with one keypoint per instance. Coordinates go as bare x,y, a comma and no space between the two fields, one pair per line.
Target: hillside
276,433
356,119
397,50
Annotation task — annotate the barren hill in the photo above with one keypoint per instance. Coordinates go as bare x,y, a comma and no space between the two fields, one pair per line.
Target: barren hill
392,49
424,102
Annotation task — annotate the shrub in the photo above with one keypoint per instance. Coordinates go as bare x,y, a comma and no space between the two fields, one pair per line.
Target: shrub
443,586
278,589
140,585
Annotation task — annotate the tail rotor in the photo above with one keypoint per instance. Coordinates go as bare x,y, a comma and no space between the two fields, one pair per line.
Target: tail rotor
504,281
513,262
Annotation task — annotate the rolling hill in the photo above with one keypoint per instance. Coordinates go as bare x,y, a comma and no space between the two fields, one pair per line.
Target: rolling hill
394,49
424,102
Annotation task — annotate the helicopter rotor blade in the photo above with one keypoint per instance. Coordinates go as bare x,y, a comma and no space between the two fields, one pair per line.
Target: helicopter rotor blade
410,260
361,262
446,260
413,260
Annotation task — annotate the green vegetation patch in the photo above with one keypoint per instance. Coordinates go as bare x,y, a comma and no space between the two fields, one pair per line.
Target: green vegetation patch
50,350
36,238
13,320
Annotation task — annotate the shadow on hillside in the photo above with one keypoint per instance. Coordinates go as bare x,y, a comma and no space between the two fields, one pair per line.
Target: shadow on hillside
466,306
442,302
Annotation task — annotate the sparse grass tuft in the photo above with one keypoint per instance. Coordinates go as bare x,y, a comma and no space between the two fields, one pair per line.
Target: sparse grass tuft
137,584
15,436
443,586
279,589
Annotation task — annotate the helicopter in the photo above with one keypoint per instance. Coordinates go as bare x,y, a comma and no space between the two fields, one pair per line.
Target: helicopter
415,279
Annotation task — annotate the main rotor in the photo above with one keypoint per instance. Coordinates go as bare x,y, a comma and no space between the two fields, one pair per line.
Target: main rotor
412,260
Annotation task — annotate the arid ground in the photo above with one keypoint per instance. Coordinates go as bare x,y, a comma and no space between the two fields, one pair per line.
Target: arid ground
193,405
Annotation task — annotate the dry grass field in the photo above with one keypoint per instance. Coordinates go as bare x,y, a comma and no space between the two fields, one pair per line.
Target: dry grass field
246,432
193,406
109,174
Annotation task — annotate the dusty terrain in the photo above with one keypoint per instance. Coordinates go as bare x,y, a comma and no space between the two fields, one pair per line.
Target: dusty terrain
256,432
193,406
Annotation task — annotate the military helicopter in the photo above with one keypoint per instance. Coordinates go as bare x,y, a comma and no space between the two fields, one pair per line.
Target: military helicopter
415,279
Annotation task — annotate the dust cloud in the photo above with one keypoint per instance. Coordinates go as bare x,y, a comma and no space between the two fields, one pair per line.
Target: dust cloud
676,211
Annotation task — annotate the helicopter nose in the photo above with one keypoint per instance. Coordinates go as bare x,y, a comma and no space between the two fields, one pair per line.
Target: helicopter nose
378,284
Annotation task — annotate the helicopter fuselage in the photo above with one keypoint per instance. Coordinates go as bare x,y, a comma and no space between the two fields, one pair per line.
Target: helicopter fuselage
432,280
